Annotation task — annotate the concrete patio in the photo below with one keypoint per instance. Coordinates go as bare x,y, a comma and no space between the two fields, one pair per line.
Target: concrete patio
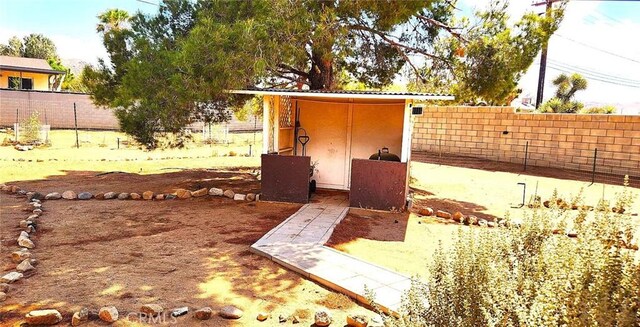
298,244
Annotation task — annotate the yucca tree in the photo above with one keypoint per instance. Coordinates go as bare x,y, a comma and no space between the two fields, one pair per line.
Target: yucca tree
569,85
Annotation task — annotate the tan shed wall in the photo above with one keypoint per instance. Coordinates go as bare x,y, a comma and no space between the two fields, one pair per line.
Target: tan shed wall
555,140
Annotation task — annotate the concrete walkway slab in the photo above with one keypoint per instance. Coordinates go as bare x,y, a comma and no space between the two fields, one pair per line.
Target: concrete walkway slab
298,244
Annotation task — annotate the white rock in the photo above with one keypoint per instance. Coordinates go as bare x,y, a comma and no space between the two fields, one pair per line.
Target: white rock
11,277
323,318
216,191
108,314
25,266
43,317
230,312
239,197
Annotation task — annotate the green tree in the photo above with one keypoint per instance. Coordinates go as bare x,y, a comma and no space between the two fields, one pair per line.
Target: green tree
169,69
112,19
563,102
13,48
39,46
486,62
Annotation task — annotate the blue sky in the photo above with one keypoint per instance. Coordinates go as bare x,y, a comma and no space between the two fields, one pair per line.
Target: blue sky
588,28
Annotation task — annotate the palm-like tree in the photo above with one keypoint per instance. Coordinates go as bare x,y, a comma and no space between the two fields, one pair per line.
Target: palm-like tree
112,19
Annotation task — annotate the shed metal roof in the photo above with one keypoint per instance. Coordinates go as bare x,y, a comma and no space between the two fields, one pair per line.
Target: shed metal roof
32,65
347,94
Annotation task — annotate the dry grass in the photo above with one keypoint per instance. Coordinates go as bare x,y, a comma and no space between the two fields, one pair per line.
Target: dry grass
336,301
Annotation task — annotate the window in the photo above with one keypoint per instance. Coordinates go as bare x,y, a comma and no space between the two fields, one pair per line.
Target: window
18,83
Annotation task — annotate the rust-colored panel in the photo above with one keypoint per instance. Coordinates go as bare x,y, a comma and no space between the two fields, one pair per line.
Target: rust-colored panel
285,178
378,184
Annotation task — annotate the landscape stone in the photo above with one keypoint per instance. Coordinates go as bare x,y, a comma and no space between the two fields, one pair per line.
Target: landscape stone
11,277
53,196
258,196
21,255
4,287
239,197
183,194
230,312
170,196
25,242
200,192
85,196
23,224
160,197
110,195
108,314
443,214
32,217
148,195
35,196
31,229
69,195
357,321
229,193
262,316
15,189
251,197
43,317
216,191
37,211
152,309
323,318
136,196
482,223
177,312
80,317
3,296
458,216
36,205
25,266
99,196
426,211
123,196
204,313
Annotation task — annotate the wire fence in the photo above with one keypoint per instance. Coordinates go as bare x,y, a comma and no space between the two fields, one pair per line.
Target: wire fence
600,172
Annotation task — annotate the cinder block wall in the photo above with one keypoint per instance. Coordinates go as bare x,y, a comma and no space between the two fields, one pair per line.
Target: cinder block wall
555,140
55,109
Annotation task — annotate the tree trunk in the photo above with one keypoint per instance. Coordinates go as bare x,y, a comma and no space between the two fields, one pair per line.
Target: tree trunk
321,73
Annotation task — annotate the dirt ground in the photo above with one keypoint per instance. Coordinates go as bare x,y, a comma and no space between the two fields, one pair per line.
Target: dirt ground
175,253
406,242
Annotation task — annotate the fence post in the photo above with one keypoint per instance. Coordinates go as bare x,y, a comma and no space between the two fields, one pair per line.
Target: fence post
526,155
16,125
75,118
593,172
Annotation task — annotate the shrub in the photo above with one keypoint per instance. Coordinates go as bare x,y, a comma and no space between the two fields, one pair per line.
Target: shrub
528,276
599,110
31,129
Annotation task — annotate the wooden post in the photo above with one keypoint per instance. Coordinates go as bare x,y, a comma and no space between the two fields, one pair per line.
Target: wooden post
75,118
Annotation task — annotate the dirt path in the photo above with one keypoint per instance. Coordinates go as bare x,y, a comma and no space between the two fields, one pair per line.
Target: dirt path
175,253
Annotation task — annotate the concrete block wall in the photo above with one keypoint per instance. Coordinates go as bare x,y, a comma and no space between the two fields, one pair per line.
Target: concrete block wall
555,140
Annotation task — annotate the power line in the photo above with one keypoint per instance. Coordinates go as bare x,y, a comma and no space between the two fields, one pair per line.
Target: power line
594,72
596,78
598,49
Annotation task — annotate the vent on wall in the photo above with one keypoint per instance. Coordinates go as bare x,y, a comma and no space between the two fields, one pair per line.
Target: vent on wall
416,111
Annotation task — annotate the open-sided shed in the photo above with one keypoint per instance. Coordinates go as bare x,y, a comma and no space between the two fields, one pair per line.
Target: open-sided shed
332,135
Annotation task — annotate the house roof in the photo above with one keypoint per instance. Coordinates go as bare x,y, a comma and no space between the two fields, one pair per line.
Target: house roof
31,65
347,94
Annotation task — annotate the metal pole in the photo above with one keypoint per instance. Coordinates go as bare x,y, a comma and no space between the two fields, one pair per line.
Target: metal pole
75,118
526,155
593,173
16,126
543,60
118,143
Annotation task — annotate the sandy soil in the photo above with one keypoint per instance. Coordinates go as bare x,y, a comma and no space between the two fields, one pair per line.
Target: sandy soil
175,253
407,245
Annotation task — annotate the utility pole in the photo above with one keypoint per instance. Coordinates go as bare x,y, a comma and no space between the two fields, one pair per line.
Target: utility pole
543,55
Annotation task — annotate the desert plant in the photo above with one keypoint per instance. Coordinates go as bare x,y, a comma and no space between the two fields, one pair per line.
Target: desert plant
607,110
530,276
31,129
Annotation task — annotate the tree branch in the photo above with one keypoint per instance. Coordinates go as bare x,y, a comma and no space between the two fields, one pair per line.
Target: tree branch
293,70
442,25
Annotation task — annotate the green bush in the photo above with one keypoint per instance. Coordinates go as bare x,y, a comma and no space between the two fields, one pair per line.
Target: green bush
527,275
599,110
31,129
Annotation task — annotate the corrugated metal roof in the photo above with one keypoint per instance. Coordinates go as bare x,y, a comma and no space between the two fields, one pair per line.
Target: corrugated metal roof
27,65
348,94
